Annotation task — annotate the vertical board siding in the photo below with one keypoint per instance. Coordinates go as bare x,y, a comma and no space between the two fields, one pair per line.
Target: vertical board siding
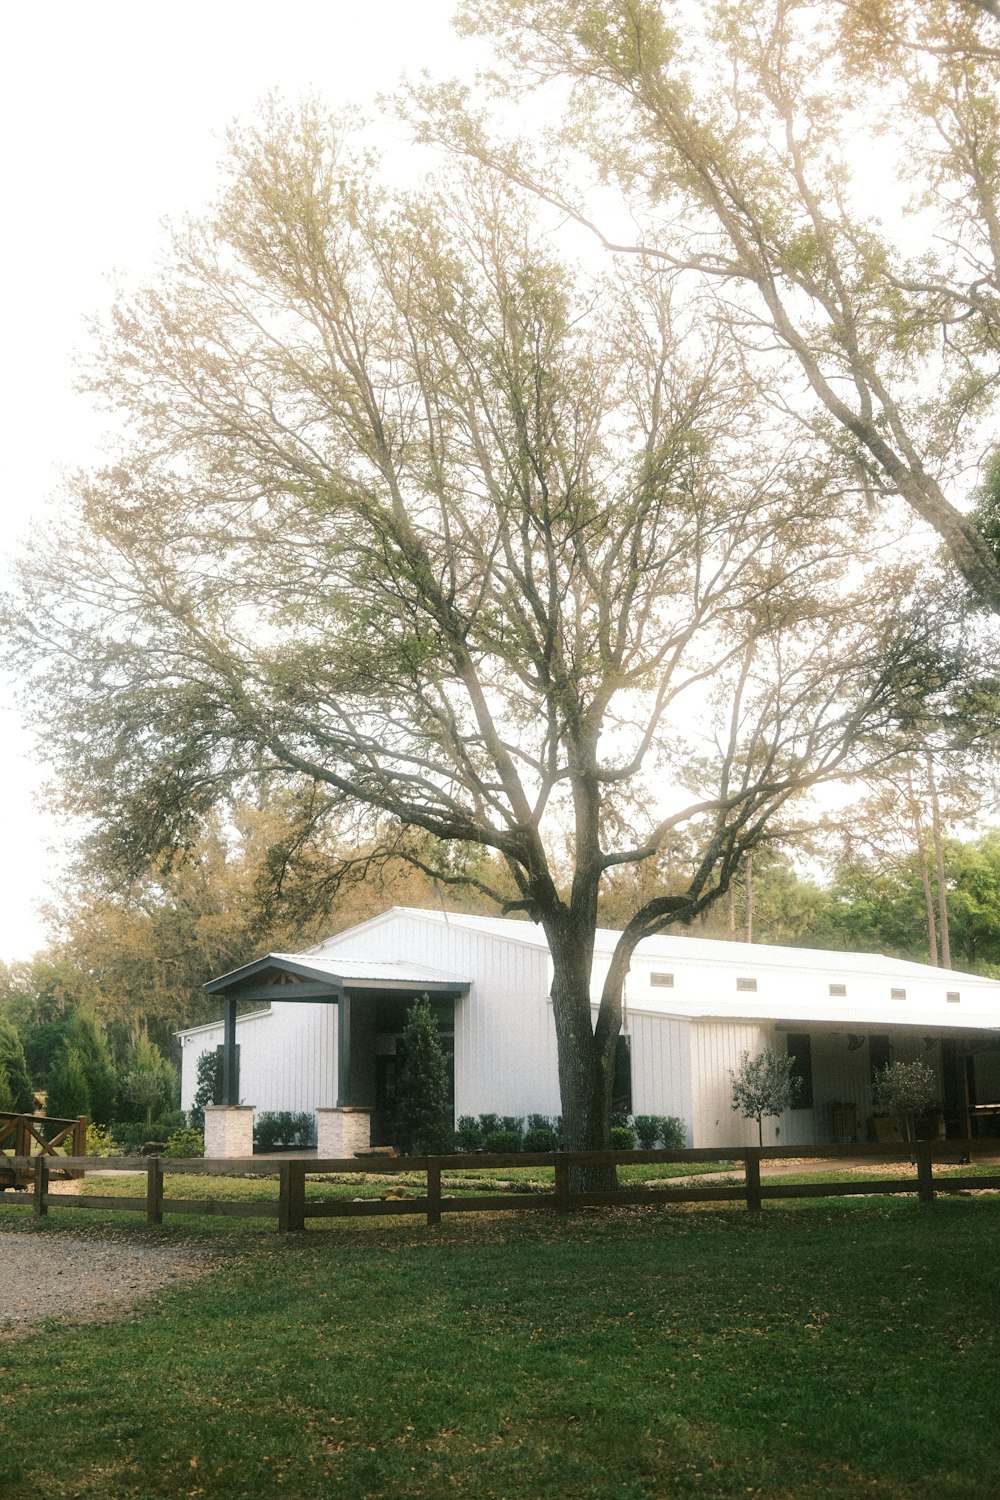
287,1058
661,1067
716,1051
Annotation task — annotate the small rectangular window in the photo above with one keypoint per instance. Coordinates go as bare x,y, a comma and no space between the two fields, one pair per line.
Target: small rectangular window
897,994
838,989
749,985
954,998
664,981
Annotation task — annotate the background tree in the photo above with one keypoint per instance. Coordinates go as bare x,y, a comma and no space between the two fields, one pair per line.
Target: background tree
15,1082
488,553
764,1085
423,1109
149,1083
82,1079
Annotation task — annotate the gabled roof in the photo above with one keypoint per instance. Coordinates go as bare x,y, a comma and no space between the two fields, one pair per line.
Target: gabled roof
289,973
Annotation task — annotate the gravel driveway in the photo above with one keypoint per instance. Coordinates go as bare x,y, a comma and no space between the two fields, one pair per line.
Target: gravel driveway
84,1280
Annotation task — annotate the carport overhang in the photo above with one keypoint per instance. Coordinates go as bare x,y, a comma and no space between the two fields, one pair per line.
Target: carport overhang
281,979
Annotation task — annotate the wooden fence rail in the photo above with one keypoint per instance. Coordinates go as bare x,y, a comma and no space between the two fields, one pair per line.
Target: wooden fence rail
294,1205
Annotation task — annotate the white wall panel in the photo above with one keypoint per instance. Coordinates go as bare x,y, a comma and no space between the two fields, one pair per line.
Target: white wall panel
660,1050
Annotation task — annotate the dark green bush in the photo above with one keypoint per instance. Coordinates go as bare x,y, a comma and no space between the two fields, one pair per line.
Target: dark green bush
488,1124
281,1129
468,1136
131,1135
622,1138
647,1130
673,1133
503,1142
208,1088
185,1142
541,1138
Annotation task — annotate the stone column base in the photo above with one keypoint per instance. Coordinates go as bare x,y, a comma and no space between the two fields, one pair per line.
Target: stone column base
229,1130
343,1131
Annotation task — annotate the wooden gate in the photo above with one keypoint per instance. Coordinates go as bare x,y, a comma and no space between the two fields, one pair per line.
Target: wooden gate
38,1135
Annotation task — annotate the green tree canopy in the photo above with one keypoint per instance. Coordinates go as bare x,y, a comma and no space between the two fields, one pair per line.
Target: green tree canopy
744,142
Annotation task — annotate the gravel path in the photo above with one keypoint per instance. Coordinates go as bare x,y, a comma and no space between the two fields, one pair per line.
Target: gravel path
85,1280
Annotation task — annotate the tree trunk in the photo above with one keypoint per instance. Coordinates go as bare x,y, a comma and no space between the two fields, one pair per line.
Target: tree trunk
925,880
586,1067
925,876
748,900
939,865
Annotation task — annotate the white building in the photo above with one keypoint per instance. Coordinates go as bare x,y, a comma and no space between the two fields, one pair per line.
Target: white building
325,1038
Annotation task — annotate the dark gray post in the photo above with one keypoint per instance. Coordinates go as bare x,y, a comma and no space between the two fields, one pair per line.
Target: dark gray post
344,1093
230,1072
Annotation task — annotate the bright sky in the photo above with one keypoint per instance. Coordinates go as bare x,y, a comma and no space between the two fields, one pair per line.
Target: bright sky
112,116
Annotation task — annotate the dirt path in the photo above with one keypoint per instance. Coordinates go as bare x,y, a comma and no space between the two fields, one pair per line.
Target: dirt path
86,1279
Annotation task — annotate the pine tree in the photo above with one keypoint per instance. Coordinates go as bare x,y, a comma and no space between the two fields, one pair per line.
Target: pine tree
423,1111
68,1094
14,1070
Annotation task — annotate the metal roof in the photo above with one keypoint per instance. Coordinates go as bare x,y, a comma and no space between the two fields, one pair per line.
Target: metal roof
679,947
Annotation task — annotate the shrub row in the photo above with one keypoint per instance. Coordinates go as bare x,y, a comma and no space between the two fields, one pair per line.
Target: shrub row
503,1134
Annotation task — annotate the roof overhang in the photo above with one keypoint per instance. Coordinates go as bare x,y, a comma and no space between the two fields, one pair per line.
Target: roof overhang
280,978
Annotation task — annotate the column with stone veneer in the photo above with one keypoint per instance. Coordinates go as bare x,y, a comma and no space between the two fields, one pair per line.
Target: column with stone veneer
343,1131
228,1130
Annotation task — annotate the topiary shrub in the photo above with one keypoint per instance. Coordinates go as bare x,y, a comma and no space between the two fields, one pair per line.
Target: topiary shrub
647,1130
904,1090
673,1133
540,1138
764,1085
622,1139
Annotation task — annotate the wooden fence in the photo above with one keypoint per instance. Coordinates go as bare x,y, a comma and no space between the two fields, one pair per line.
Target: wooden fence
294,1205
28,1132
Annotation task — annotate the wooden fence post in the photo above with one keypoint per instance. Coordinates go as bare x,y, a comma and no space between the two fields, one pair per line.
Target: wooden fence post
751,1167
925,1172
154,1190
292,1196
562,1184
433,1192
41,1186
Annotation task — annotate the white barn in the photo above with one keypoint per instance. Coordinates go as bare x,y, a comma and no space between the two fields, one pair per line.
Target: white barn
325,1035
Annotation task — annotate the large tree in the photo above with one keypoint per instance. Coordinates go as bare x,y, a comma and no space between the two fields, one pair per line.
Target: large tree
830,169
504,556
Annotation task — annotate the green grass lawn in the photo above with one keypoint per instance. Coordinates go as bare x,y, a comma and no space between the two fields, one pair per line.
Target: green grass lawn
838,1349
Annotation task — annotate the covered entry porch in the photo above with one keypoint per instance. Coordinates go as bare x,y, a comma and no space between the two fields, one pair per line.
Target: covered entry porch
358,1068
838,1070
